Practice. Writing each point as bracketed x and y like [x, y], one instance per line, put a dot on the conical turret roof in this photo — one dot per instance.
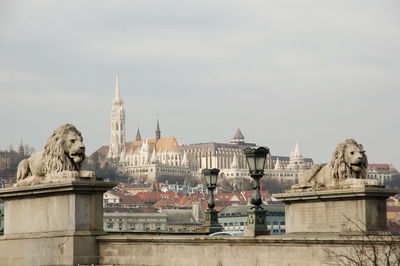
[297, 152]
[238, 135]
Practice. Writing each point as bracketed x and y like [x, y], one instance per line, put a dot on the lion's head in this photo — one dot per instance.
[64, 150]
[349, 161]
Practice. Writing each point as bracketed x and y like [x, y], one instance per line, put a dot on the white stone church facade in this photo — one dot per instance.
[145, 160]
[162, 159]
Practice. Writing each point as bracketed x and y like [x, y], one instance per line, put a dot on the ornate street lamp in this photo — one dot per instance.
[211, 224]
[256, 216]
[256, 158]
[211, 178]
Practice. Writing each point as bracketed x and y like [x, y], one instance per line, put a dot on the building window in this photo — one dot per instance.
[110, 225]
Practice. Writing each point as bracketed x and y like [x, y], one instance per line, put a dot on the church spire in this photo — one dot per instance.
[158, 132]
[138, 137]
[117, 97]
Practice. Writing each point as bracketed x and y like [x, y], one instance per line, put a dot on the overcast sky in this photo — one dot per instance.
[314, 71]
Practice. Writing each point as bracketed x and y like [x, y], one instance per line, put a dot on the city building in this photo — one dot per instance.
[110, 198]
[134, 220]
[230, 159]
[382, 172]
[184, 220]
[150, 219]
[234, 218]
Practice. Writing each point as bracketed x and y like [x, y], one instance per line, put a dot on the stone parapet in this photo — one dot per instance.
[53, 224]
[336, 210]
[197, 250]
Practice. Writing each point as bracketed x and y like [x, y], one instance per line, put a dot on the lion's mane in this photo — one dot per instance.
[55, 158]
[339, 168]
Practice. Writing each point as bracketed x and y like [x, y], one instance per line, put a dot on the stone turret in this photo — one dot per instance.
[296, 159]
[277, 164]
[235, 162]
[185, 161]
[153, 159]
[144, 153]
[238, 138]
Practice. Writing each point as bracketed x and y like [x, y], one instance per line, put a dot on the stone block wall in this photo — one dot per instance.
[163, 250]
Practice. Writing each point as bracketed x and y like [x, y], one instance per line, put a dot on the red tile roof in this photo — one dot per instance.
[155, 196]
[383, 168]
[166, 203]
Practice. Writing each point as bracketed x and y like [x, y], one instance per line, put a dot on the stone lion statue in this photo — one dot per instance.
[62, 157]
[348, 166]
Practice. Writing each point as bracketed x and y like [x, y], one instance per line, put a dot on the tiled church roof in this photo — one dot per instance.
[163, 144]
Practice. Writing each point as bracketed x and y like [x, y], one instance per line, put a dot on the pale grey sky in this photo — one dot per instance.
[314, 71]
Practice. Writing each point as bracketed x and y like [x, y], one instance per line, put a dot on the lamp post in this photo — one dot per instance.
[211, 224]
[256, 216]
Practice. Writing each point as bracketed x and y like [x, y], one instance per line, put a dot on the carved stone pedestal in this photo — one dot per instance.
[336, 210]
[53, 224]
[210, 224]
[256, 223]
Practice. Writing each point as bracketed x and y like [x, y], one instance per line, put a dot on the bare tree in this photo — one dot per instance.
[364, 249]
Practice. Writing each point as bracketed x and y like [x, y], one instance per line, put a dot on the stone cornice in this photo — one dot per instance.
[332, 194]
[77, 186]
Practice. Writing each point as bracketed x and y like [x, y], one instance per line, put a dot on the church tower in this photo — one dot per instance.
[117, 124]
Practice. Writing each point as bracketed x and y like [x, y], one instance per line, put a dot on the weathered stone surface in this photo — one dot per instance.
[140, 250]
[256, 223]
[210, 224]
[347, 168]
[335, 210]
[60, 160]
[52, 224]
